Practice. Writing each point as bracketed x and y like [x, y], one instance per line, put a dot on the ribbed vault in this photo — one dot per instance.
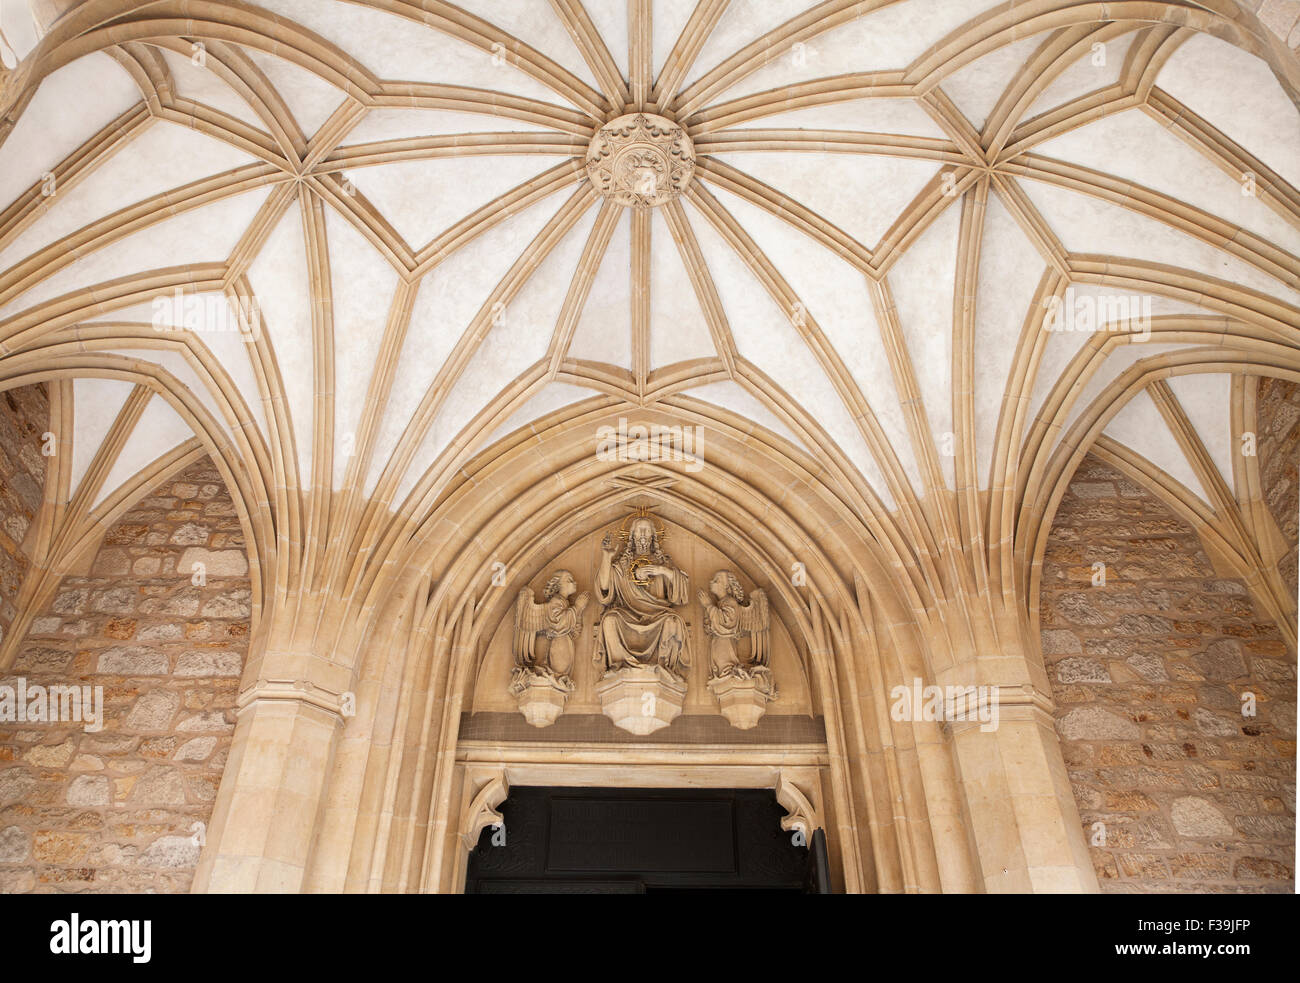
[887, 199]
[932, 253]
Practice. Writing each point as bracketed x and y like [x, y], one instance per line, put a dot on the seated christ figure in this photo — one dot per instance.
[639, 588]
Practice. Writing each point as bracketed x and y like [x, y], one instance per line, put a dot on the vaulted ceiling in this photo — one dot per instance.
[889, 200]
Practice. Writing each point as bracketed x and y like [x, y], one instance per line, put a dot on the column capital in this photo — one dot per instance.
[297, 690]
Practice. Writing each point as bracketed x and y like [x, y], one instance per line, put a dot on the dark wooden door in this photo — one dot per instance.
[634, 841]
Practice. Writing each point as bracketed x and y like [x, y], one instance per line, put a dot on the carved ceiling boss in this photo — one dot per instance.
[640, 159]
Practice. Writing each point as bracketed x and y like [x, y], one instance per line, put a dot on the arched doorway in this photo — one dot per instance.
[438, 740]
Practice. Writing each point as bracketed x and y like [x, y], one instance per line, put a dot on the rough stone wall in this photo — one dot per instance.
[1177, 788]
[120, 810]
[1278, 447]
[24, 417]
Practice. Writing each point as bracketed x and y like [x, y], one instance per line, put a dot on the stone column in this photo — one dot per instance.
[270, 800]
[1024, 818]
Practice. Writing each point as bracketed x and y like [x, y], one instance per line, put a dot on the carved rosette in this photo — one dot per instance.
[641, 159]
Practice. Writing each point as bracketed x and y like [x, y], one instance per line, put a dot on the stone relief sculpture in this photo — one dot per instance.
[639, 589]
[540, 681]
[640, 159]
[743, 686]
[642, 644]
[727, 619]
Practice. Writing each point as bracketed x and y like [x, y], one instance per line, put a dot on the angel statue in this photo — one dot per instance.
[557, 619]
[726, 619]
[639, 587]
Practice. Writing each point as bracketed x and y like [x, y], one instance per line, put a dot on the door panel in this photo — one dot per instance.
[567, 840]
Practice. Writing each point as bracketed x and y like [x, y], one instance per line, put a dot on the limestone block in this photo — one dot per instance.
[233, 604]
[216, 563]
[153, 711]
[160, 786]
[50, 755]
[190, 534]
[1213, 725]
[1096, 724]
[195, 749]
[1149, 667]
[15, 844]
[171, 851]
[89, 790]
[1222, 660]
[1080, 669]
[203, 663]
[133, 661]
[42, 659]
[1193, 816]
[116, 600]
[1057, 641]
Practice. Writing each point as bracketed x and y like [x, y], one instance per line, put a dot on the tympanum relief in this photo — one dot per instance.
[544, 645]
[638, 641]
[743, 685]
[642, 643]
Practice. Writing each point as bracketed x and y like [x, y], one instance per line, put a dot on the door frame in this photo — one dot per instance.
[485, 771]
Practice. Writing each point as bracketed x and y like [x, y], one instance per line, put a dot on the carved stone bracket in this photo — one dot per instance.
[796, 795]
[743, 696]
[489, 788]
[641, 699]
[540, 695]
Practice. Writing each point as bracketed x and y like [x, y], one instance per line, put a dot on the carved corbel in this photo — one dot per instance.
[801, 814]
[489, 790]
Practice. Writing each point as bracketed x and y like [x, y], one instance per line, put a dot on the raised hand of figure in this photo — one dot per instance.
[607, 544]
[705, 600]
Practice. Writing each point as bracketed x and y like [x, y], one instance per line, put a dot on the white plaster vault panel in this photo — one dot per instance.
[98, 91]
[159, 429]
[1240, 95]
[976, 87]
[863, 194]
[1100, 67]
[1140, 427]
[96, 403]
[604, 332]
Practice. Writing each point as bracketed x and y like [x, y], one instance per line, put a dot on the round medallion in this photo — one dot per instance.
[641, 160]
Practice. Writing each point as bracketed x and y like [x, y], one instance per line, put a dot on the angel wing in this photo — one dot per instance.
[530, 618]
[755, 620]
